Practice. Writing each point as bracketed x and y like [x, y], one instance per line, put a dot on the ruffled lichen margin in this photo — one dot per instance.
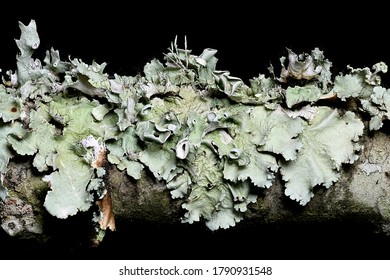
[211, 139]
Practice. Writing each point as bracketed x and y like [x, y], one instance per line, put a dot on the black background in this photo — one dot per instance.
[248, 37]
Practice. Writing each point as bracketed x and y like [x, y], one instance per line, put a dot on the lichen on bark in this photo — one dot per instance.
[187, 141]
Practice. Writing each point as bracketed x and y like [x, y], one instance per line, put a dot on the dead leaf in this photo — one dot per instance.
[107, 220]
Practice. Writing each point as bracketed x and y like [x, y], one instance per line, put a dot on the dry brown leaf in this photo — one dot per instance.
[107, 220]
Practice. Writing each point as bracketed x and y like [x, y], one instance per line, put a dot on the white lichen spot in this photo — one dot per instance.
[98, 153]
[369, 168]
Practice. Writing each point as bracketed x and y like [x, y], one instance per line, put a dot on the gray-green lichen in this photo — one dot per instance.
[209, 137]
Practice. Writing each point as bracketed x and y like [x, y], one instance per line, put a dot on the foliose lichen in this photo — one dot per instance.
[211, 138]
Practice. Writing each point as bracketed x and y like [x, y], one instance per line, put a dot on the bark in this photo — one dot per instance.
[362, 193]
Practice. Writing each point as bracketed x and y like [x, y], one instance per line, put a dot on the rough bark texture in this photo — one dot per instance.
[362, 193]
